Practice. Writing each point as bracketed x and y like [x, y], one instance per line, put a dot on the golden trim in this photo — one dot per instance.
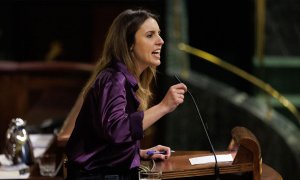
[260, 29]
[243, 74]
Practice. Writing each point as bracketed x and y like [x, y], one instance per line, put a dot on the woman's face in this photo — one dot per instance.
[147, 46]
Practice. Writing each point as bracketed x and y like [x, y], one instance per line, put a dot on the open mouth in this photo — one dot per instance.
[156, 53]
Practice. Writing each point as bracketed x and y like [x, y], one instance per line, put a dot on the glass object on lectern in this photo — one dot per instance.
[147, 171]
[18, 147]
[150, 175]
[47, 165]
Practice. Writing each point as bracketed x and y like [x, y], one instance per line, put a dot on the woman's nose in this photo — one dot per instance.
[160, 41]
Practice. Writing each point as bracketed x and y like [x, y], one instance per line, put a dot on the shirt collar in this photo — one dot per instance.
[129, 76]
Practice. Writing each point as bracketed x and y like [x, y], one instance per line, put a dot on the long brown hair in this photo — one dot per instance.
[120, 38]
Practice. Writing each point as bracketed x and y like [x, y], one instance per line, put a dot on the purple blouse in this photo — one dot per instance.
[108, 128]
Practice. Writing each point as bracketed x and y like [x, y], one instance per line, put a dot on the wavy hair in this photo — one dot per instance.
[119, 39]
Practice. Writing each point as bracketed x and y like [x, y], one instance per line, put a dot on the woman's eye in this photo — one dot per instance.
[149, 35]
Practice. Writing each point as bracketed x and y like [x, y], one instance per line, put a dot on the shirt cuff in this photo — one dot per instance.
[136, 124]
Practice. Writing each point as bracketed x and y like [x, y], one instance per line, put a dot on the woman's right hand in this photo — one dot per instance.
[174, 97]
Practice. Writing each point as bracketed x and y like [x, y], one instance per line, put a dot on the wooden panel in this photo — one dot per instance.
[37, 90]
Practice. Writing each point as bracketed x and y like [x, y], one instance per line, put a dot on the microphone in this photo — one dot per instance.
[217, 170]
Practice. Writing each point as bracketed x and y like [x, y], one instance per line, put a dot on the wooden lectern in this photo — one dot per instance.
[244, 148]
[247, 163]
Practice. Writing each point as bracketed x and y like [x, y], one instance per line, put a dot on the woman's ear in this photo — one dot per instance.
[131, 48]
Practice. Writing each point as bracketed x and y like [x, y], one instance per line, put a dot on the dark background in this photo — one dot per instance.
[28, 28]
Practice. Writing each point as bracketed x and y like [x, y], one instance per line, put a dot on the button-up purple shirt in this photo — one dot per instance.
[108, 128]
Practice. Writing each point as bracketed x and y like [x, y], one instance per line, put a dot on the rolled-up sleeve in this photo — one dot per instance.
[118, 125]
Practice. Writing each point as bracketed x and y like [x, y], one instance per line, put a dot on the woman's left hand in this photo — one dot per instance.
[158, 152]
